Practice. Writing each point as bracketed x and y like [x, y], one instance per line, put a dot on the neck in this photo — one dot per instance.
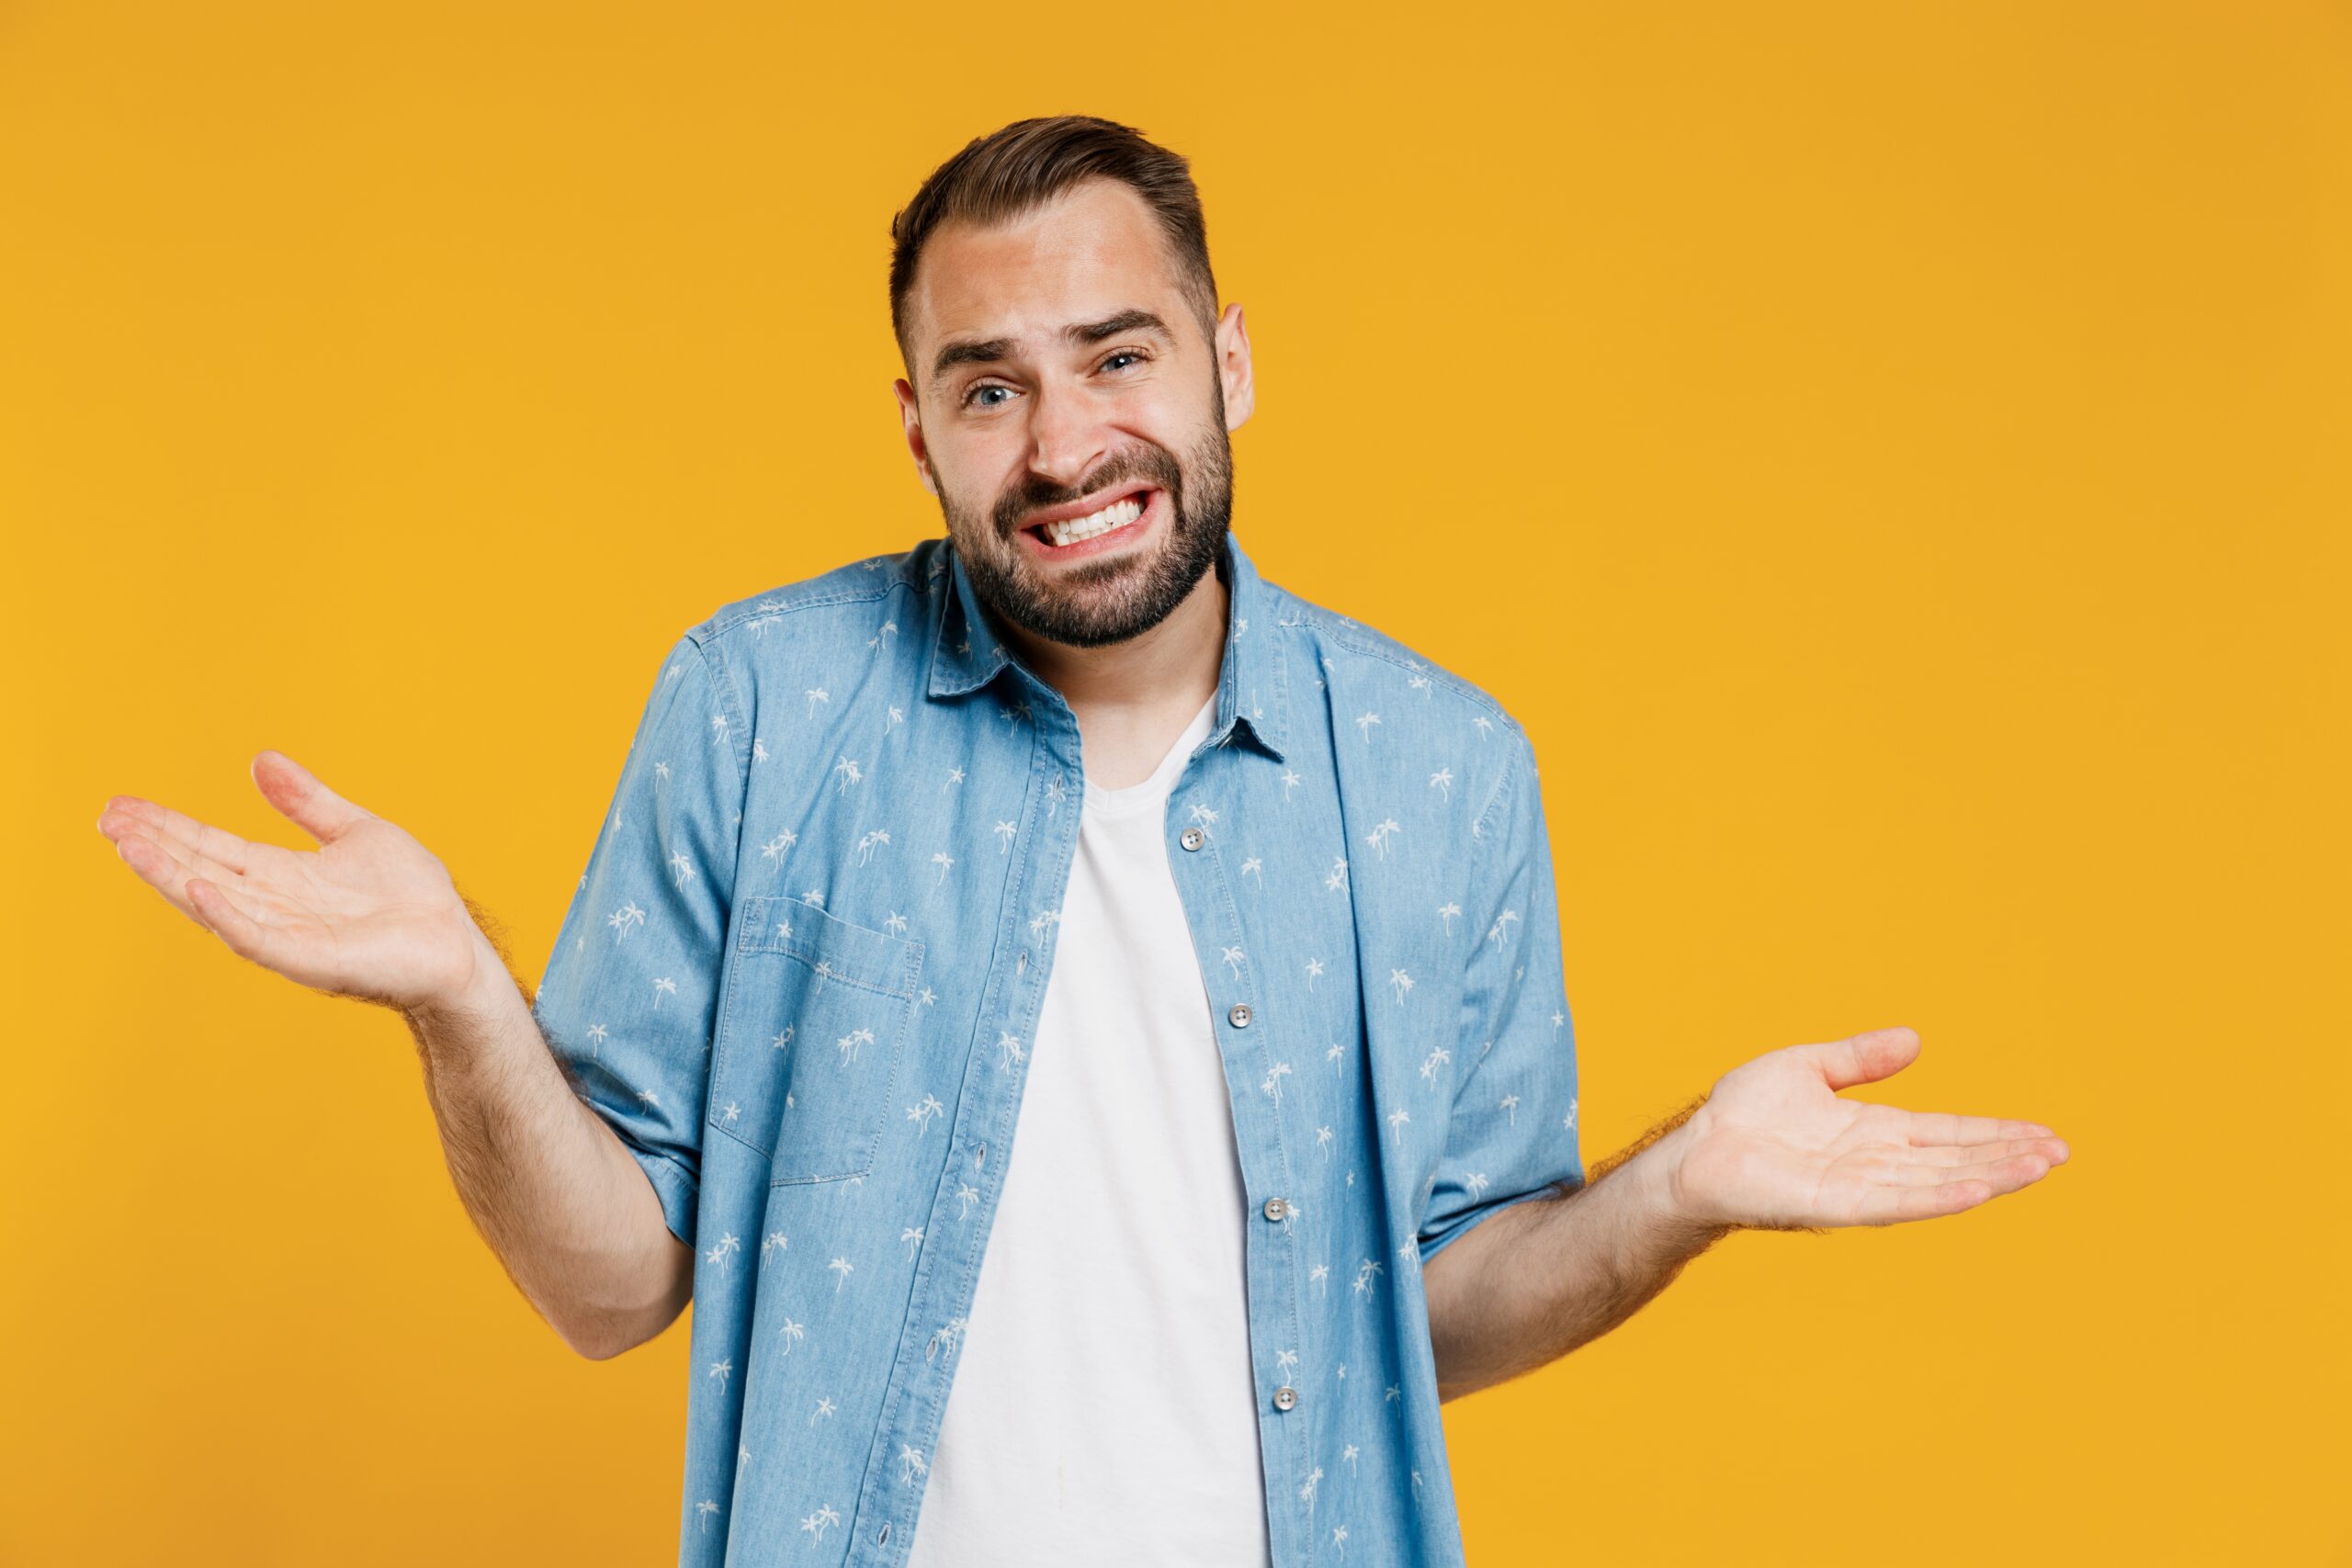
[1175, 664]
[1132, 699]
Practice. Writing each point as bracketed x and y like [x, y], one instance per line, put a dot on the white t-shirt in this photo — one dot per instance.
[1103, 1410]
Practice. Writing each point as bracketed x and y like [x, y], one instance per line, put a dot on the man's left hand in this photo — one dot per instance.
[1773, 1148]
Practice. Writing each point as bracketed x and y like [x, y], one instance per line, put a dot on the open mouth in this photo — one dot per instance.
[1106, 527]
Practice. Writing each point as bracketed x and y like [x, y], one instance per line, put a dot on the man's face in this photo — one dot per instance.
[1063, 372]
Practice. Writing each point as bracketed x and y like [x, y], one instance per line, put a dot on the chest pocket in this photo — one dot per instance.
[817, 1013]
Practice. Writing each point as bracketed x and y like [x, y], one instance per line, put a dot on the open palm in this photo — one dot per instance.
[371, 913]
[1774, 1147]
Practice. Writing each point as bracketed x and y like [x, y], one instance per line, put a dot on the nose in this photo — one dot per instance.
[1067, 440]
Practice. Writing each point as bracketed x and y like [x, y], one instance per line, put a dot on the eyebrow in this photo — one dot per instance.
[990, 351]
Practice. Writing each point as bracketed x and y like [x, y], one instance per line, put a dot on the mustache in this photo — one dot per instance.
[1156, 467]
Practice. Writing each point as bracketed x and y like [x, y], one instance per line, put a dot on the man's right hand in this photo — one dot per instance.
[371, 914]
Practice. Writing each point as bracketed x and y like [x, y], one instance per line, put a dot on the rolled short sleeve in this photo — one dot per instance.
[629, 995]
[1513, 1136]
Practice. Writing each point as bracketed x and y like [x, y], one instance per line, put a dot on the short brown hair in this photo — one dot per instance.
[1007, 173]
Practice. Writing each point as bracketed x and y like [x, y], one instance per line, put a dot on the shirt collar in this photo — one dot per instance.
[967, 655]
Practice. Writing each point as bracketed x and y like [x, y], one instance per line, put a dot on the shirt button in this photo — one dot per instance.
[1239, 1015]
[1284, 1397]
[1276, 1209]
[1194, 839]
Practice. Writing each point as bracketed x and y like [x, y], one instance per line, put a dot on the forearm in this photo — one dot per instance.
[1531, 1283]
[559, 1199]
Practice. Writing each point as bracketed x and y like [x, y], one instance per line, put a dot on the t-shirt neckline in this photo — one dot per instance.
[1162, 778]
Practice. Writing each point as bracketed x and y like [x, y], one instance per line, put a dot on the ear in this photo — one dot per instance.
[1233, 367]
[912, 417]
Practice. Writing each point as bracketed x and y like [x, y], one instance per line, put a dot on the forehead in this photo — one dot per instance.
[1094, 250]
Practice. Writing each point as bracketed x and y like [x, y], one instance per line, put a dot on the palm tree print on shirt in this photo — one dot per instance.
[773, 850]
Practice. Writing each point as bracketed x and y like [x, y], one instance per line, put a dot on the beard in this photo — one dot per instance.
[1116, 597]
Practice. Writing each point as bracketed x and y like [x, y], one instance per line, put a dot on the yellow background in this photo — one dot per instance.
[1894, 457]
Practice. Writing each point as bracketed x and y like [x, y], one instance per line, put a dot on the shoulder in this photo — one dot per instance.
[1360, 658]
[853, 592]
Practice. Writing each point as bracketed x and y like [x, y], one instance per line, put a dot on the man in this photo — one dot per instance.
[1083, 1024]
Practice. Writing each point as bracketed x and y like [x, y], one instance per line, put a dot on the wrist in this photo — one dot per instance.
[1671, 1204]
[470, 1001]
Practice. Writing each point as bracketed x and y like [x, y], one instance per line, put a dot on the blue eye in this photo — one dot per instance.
[971, 399]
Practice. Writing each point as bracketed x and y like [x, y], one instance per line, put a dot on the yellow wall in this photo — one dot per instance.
[1894, 457]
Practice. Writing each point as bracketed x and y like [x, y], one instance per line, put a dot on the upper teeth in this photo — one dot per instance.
[1117, 514]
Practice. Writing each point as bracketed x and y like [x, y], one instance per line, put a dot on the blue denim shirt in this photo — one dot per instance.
[801, 973]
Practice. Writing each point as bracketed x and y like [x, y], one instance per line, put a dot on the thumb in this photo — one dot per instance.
[1863, 1058]
[297, 792]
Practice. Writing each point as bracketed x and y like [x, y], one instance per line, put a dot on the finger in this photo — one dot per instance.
[168, 870]
[158, 870]
[1895, 1206]
[246, 936]
[295, 791]
[1893, 1202]
[187, 851]
[167, 826]
[2006, 1173]
[1924, 1129]
[2053, 1149]
[1862, 1058]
